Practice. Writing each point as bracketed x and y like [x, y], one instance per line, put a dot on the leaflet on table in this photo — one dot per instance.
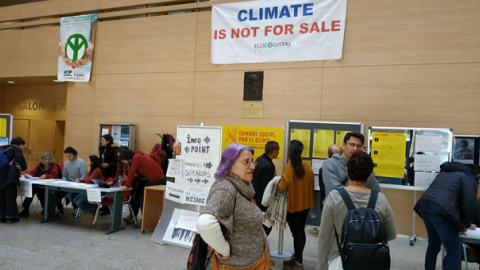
[94, 195]
[25, 189]
[475, 232]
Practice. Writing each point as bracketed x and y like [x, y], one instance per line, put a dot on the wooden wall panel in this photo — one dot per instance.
[409, 93]
[409, 32]
[203, 55]
[77, 130]
[159, 94]
[9, 52]
[35, 102]
[10, 13]
[152, 44]
[39, 51]
[81, 97]
[54, 7]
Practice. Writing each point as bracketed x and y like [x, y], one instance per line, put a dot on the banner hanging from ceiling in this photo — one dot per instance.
[76, 48]
[278, 31]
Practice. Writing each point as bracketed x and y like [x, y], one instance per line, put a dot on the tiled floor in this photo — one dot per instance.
[72, 244]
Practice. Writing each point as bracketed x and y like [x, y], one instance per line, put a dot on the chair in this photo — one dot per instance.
[108, 201]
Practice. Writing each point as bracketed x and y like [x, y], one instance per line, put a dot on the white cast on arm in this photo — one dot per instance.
[209, 228]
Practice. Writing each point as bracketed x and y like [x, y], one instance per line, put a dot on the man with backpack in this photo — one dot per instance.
[12, 162]
[369, 228]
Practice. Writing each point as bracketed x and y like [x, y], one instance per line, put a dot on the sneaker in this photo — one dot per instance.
[290, 262]
[13, 220]
[298, 266]
[129, 221]
[24, 213]
[127, 218]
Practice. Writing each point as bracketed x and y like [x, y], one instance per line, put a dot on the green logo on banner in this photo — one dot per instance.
[76, 47]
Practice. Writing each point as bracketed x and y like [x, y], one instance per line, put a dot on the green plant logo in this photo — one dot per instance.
[76, 47]
[270, 45]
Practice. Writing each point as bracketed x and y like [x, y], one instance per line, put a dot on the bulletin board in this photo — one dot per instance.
[409, 156]
[6, 128]
[123, 134]
[316, 138]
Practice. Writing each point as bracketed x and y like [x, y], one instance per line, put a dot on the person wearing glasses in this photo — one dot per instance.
[230, 223]
[46, 169]
[333, 169]
[297, 178]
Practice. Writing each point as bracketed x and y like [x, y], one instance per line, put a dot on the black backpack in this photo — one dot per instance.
[199, 254]
[363, 241]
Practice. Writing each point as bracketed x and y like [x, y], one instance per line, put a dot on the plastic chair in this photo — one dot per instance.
[108, 201]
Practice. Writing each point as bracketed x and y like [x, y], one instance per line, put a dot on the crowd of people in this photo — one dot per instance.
[109, 164]
[232, 221]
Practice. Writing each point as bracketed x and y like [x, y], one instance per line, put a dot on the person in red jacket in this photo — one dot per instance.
[94, 172]
[144, 165]
[46, 169]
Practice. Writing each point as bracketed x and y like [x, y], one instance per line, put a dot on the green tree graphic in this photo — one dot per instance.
[76, 42]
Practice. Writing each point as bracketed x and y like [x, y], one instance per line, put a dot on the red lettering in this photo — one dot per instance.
[335, 26]
[277, 30]
[324, 29]
[314, 28]
[268, 29]
[236, 33]
[289, 29]
[303, 28]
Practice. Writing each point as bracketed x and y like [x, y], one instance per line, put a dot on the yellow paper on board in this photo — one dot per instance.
[339, 135]
[302, 135]
[3, 127]
[388, 153]
[322, 139]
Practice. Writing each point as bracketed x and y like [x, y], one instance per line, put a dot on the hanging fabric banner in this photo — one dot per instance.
[278, 31]
[76, 48]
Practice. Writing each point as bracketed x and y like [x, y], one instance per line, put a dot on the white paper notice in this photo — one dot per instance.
[175, 168]
[174, 192]
[25, 189]
[430, 163]
[428, 144]
[94, 195]
[195, 195]
[315, 182]
[424, 179]
[316, 165]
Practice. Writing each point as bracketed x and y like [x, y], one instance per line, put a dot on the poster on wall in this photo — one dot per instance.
[76, 48]
[255, 137]
[277, 31]
[388, 153]
[200, 154]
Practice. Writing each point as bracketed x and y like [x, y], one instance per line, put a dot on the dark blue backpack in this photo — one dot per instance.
[4, 162]
[363, 241]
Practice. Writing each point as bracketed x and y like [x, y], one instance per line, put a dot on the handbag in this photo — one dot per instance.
[263, 263]
[198, 257]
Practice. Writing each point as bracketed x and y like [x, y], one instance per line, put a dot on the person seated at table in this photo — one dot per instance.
[46, 169]
[144, 165]
[94, 172]
[74, 168]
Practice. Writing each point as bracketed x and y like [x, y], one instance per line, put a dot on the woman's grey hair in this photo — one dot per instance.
[49, 156]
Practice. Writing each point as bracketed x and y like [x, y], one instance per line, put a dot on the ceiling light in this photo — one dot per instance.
[10, 82]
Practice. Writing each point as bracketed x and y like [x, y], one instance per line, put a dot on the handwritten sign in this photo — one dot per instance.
[175, 167]
[94, 195]
[388, 153]
[201, 151]
[424, 179]
[430, 163]
[428, 144]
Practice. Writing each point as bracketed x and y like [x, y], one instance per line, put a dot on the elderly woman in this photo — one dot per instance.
[297, 178]
[359, 168]
[46, 169]
[9, 180]
[230, 223]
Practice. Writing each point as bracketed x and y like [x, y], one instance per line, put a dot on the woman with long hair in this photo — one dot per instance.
[230, 223]
[94, 172]
[297, 178]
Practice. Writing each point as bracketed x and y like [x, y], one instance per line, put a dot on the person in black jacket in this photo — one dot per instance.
[448, 207]
[10, 179]
[263, 173]
[108, 155]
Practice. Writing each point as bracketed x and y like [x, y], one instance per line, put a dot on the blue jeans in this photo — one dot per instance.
[81, 200]
[441, 231]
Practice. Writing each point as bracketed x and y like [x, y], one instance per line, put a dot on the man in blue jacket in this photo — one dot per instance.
[448, 207]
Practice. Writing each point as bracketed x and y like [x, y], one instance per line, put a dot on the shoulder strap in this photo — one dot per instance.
[373, 200]
[346, 198]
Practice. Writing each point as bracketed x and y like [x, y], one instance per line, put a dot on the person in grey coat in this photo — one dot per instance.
[333, 169]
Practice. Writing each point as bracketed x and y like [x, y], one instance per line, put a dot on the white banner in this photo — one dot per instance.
[76, 48]
[278, 31]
